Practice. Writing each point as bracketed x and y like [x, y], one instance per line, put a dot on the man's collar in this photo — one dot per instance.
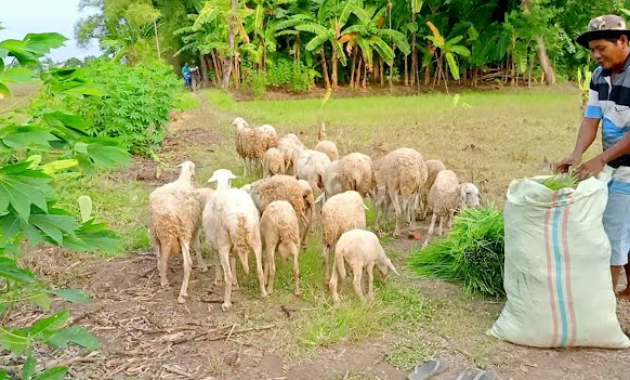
[606, 72]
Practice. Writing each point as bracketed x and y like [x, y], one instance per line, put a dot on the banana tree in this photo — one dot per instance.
[370, 37]
[416, 7]
[446, 50]
[331, 19]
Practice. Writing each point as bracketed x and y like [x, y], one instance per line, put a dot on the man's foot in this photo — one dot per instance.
[624, 295]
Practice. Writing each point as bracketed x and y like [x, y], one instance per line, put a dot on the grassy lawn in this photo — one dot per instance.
[501, 137]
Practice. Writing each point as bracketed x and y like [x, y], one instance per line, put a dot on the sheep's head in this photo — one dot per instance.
[247, 188]
[384, 264]
[469, 194]
[239, 123]
[188, 170]
[222, 177]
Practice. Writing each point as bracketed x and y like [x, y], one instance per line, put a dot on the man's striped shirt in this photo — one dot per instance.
[610, 102]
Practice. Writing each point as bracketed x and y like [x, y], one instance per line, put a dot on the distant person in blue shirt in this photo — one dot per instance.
[187, 76]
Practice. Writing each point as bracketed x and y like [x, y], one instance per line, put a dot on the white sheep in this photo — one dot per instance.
[273, 162]
[286, 188]
[175, 211]
[447, 196]
[352, 172]
[342, 212]
[400, 176]
[329, 148]
[311, 167]
[362, 250]
[280, 231]
[232, 226]
[291, 148]
[251, 144]
[433, 168]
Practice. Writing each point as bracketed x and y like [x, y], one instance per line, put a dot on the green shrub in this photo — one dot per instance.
[136, 106]
[285, 73]
[185, 100]
[259, 83]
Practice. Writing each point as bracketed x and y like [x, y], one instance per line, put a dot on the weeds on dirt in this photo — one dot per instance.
[407, 354]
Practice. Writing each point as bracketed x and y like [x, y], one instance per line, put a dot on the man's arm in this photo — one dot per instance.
[619, 149]
[586, 136]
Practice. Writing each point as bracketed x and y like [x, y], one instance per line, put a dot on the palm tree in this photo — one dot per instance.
[447, 50]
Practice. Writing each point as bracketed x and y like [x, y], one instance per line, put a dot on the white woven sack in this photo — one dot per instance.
[557, 268]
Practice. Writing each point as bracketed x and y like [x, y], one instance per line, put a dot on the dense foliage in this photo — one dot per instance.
[472, 253]
[136, 106]
[38, 150]
[355, 42]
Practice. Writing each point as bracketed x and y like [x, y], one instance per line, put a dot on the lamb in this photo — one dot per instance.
[433, 168]
[280, 231]
[400, 175]
[352, 172]
[232, 226]
[283, 187]
[328, 148]
[361, 250]
[273, 162]
[251, 144]
[175, 211]
[343, 212]
[447, 195]
[311, 167]
[291, 148]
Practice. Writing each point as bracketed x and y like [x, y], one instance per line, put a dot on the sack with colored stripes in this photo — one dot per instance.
[557, 268]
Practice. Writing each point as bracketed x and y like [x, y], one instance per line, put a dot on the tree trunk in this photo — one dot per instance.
[357, 81]
[365, 74]
[427, 70]
[335, 69]
[406, 71]
[204, 70]
[218, 68]
[381, 73]
[325, 68]
[157, 39]
[414, 52]
[545, 64]
[227, 65]
[353, 68]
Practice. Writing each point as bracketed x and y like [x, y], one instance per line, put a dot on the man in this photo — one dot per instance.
[609, 100]
[186, 75]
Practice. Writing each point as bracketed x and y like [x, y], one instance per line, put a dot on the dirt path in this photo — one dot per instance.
[146, 334]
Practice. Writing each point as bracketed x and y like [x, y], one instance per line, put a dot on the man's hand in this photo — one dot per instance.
[591, 168]
[563, 166]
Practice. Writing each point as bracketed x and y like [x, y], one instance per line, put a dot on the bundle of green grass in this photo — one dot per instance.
[561, 181]
[472, 253]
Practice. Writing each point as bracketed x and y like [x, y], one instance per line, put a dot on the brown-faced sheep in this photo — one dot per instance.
[273, 163]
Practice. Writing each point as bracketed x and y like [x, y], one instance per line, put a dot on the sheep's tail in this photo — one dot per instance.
[340, 265]
[240, 241]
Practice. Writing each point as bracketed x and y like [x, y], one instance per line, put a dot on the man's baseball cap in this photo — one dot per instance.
[604, 27]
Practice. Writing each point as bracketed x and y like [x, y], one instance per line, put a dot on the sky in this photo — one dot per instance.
[20, 17]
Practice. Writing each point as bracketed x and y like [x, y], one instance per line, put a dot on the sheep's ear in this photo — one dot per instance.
[212, 179]
[320, 198]
[392, 267]
[365, 206]
[232, 176]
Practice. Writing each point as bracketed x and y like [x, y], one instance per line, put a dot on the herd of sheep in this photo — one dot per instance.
[277, 211]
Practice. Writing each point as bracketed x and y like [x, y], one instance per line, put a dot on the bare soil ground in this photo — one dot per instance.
[146, 334]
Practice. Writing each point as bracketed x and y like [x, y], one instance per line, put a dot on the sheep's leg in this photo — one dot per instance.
[234, 276]
[270, 274]
[244, 161]
[257, 248]
[224, 254]
[162, 262]
[332, 284]
[430, 233]
[295, 250]
[370, 271]
[218, 279]
[183, 293]
[450, 219]
[399, 214]
[325, 259]
[358, 288]
[197, 246]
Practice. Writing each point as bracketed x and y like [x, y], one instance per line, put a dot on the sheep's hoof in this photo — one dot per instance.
[164, 284]
[181, 299]
[264, 294]
[203, 268]
[217, 282]
[297, 293]
[226, 305]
